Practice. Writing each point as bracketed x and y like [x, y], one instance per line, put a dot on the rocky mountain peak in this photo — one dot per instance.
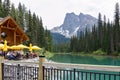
[73, 24]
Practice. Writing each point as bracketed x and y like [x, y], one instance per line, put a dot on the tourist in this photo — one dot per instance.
[27, 55]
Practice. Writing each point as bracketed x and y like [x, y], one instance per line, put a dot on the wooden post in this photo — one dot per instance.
[41, 60]
[1, 59]
[14, 42]
[0, 32]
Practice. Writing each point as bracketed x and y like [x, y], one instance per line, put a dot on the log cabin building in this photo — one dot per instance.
[11, 32]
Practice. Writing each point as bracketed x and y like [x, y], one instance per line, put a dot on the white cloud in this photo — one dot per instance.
[53, 11]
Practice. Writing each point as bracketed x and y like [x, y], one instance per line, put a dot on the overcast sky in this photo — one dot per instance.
[53, 11]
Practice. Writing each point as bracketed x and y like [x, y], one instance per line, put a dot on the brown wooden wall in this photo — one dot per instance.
[15, 35]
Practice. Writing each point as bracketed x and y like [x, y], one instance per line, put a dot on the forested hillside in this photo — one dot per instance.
[104, 37]
[29, 22]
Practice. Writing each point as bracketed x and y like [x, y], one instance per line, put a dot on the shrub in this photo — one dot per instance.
[99, 52]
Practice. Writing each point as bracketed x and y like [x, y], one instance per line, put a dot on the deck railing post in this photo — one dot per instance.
[74, 74]
[41, 60]
[18, 72]
[1, 73]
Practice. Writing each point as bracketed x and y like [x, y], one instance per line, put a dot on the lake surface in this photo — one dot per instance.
[95, 60]
[77, 59]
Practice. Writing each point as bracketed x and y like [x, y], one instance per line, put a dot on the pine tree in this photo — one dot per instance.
[104, 35]
[41, 34]
[108, 38]
[13, 12]
[117, 27]
[71, 44]
[1, 9]
[29, 29]
[94, 38]
[111, 41]
[6, 7]
[34, 29]
[20, 16]
[48, 40]
[100, 30]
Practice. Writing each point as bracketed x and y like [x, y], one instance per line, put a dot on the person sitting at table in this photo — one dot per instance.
[11, 55]
[1, 53]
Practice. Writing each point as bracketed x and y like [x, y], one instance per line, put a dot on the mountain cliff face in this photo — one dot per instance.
[73, 24]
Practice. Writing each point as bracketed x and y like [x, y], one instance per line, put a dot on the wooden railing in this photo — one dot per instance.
[83, 66]
[65, 71]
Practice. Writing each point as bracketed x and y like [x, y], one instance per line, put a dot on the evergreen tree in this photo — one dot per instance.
[100, 30]
[48, 40]
[20, 16]
[111, 41]
[13, 12]
[41, 33]
[6, 7]
[104, 35]
[94, 39]
[1, 9]
[117, 27]
[29, 29]
[26, 21]
[0, 1]
[34, 27]
[108, 38]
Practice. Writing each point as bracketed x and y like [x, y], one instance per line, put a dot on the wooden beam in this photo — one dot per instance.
[8, 22]
[15, 29]
[21, 39]
[8, 28]
[14, 37]
[0, 32]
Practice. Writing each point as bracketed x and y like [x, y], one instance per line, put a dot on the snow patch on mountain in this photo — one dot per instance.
[73, 24]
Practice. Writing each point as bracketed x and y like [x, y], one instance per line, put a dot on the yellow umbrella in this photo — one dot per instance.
[30, 47]
[5, 48]
[36, 48]
[1, 46]
[14, 47]
[21, 46]
[33, 48]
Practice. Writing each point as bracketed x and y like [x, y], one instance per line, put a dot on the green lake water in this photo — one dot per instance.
[77, 59]
[95, 60]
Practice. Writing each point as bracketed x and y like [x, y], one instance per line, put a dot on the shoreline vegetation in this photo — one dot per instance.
[92, 54]
[98, 54]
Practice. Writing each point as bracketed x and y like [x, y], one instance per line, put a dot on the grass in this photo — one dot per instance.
[49, 54]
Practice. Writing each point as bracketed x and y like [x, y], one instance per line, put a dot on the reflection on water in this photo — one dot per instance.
[68, 58]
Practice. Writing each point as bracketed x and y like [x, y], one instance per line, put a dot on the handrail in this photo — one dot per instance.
[84, 66]
[68, 65]
[20, 62]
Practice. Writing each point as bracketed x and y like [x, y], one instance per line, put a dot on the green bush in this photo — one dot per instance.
[99, 52]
